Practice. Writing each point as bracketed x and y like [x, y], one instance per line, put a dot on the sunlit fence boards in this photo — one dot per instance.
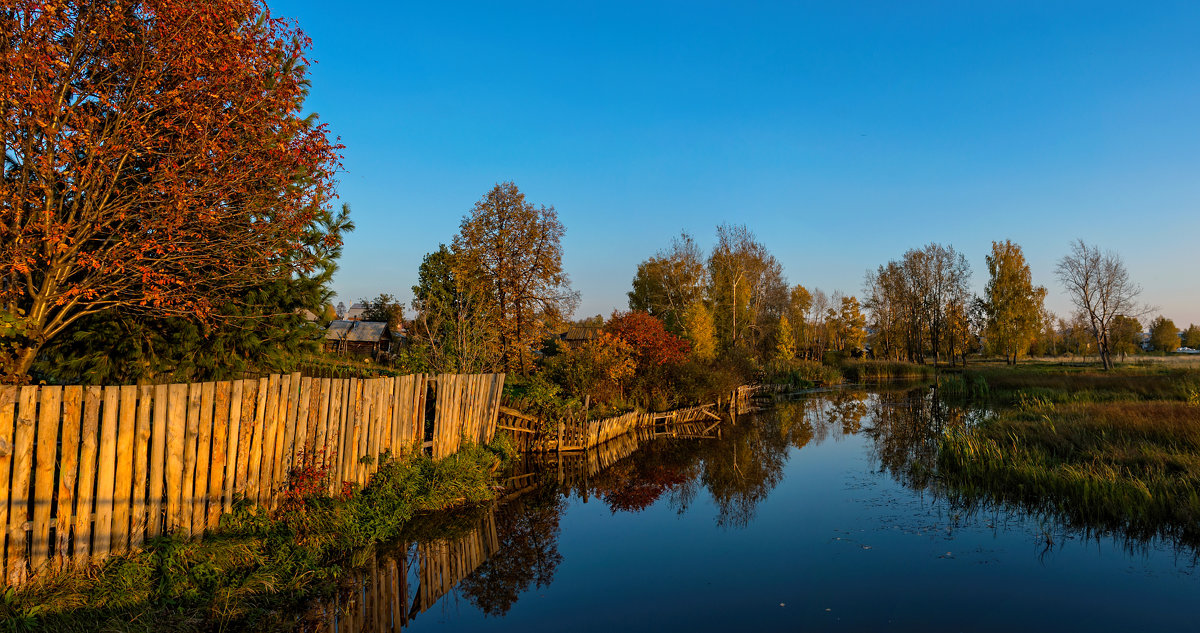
[91, 471]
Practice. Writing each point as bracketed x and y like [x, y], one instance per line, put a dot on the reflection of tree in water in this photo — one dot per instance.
[907, 428]
[635, 483]
[840, 411]
[528, 531]
[742, 469]
[739, 470]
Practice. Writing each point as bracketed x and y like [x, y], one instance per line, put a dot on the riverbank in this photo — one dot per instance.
[259, 567]
[1065, 382]
[1118, 449]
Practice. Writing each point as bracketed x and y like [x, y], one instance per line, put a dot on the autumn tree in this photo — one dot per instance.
[156, 160]
[657, 352]
[454, 328]
[700, 331]
[517, 249]
[1191, 337]
[958, 332]
[1164, 336]
[652, 344]
[1012, 303]
[847, 325]
[384, 308]
[816, 333]
[1100, 288]
[912, 300]
[266, 330]
[668, 283]
[599, 368]
[799, 302]
[785, 344]
[746, 288]
[1125, 335]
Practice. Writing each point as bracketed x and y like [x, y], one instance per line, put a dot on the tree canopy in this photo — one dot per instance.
[1100, 288]
[1164, 336]
[517, 250]
[157, 161]
[1013, 306]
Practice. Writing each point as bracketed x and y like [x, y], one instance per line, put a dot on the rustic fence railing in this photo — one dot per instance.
[90, 471]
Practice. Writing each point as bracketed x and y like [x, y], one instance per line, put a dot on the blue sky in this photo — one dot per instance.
[841, 133]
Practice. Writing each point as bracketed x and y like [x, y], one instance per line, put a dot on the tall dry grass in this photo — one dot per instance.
[1129, 466]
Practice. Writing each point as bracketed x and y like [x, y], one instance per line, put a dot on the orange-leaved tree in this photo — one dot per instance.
[653, 345]
[156, 159]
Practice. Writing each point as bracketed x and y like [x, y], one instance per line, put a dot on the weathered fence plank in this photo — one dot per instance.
[68, 473]
[8, 415]
[220, 436]
[158, 463]
[176, 442]
[89, 431]
[49, 418]
[141, 465]
[233, 443]
[123, 483]
[106, 477]
[22, 476]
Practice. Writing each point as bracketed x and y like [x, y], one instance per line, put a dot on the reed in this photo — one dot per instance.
[1064, 383]
[1132, 466]
[884, 371]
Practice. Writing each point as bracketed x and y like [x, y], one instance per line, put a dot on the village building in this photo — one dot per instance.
[355, 312]
[577, 335]
[359, 338]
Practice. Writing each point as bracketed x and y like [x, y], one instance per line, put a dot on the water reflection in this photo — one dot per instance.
[489, 558]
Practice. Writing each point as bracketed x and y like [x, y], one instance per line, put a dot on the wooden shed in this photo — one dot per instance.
[358, 338]
[577, 335]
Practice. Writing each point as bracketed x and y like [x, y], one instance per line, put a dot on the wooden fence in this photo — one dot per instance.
[577, 437]
[96, 470]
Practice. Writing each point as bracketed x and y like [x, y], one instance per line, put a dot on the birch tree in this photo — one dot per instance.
[1099, 286]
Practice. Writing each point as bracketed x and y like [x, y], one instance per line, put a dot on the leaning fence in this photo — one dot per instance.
[93, 471]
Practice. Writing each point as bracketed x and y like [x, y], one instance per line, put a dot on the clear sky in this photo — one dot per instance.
[841, 133]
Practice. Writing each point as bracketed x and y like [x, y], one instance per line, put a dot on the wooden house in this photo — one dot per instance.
[358, 338]
[577, 335]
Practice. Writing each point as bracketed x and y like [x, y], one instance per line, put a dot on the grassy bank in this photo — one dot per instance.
[1127, 466]
[1062, 383]
[864, 371]
[259, 568]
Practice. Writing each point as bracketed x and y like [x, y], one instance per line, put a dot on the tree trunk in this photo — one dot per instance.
[18, 372]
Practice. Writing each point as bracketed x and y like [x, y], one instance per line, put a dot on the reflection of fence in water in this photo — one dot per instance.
[379, 599]
[385, 597]
[446, 563]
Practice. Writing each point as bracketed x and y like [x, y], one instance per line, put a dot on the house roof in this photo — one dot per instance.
[368, 331]
[581, 333]
[355, 312]
[357, 331]
[338, 330]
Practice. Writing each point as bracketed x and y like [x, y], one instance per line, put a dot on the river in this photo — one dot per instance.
[819, 514]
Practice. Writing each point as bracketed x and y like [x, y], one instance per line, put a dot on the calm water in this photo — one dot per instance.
[816, 515]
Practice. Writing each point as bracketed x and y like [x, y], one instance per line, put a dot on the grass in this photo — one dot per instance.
[804, 374]
[1114, 459]
[258, 570]
[1062, 383]
[884, 371]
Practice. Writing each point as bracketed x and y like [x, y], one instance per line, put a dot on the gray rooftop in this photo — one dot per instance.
[368, 331]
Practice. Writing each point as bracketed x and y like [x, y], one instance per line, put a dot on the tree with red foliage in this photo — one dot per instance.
[156, 159]
[652, 344]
